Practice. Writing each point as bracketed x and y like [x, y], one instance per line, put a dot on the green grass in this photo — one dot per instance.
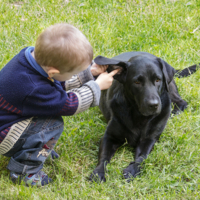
[166, 28]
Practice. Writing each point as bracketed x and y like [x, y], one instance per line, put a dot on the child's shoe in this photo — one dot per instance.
[38, 179]
[54, 155]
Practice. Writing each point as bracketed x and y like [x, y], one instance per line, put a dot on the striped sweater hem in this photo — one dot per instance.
[13, 135]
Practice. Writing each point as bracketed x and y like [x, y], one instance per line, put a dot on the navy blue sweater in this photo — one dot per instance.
[25, 93]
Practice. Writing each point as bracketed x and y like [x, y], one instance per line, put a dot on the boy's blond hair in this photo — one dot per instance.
[64, 47]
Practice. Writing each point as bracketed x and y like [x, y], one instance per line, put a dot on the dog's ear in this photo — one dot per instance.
[112, 65]
[168, 72]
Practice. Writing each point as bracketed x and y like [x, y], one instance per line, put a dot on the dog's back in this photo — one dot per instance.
[127, 55]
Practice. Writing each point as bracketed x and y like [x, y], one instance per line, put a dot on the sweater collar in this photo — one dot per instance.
[33, 62]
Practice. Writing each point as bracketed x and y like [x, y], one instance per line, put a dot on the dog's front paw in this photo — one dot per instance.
[131, 171]
[97, 176]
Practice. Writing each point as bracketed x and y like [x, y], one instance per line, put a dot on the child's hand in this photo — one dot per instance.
[105, 79]
[98, 69]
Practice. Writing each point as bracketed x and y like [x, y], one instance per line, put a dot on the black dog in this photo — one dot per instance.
[136, 107]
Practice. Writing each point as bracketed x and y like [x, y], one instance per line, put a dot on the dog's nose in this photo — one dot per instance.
[153, 104]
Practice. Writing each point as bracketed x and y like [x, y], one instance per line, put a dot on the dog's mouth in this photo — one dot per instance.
[149, 113]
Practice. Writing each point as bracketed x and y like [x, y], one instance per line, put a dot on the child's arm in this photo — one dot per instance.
[46, 100]
[89, 94]
[79, 79]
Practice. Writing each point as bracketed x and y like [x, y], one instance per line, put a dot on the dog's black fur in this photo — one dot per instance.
[136, 106]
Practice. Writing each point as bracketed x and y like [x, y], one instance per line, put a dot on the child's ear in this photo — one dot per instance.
[51, 71]
[112, 65]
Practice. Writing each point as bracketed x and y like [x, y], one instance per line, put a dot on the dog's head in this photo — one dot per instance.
[144, 79]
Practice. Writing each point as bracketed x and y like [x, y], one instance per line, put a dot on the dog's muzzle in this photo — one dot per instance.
[150, 106]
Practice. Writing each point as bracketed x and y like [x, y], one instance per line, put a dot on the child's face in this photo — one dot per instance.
[67, 75]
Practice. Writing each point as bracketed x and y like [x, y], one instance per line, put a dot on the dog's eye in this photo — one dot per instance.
[137, 82]
[157, 80]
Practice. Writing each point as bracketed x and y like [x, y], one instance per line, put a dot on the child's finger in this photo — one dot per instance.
[114, 72]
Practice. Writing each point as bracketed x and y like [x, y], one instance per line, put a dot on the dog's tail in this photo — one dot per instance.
[187, 71]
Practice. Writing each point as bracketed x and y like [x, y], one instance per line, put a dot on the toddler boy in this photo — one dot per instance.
[34, 94]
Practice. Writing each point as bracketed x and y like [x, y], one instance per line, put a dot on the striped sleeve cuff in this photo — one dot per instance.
[94, 87]
[88, 96]
[79, 79]
[74, 82]
[86, 75]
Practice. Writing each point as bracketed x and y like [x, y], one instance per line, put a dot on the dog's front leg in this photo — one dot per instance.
[106, 151]
[142, 151]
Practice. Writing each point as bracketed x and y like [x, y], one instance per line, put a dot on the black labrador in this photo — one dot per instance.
[136, 107]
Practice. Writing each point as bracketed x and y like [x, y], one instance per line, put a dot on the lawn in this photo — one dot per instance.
[169, 29]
